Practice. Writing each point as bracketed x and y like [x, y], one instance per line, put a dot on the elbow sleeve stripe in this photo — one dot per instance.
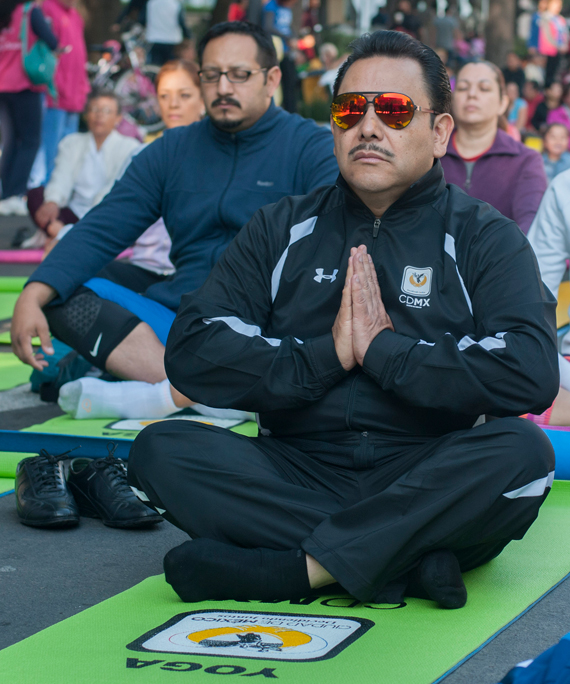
[246, 329]
[487, 343]
[449, 247]
[297, 232]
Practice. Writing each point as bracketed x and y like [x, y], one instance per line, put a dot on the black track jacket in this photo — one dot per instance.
[474, 325]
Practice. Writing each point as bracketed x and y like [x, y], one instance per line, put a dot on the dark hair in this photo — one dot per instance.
[191, 68]
[551, 126]
[6, 11]
[266, 55]
[398, 45]
[534, 84]
[103, 92]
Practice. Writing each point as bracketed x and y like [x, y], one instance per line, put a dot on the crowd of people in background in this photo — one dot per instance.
[511, 137]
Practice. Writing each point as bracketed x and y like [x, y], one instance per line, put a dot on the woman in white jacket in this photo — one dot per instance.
[181, 104]
[86, 167]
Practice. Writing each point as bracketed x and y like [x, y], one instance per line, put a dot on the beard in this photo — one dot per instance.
[221, 122]
[225, 124]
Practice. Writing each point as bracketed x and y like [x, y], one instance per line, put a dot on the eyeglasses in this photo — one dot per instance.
[394, 109]
[233, 75]
[101, 110]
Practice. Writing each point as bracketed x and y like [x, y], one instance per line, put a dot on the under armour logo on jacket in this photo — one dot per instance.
[321, 276]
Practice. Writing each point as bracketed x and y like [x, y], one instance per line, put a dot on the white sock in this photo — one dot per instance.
[228, 414]
[564, 367]
[92, 398]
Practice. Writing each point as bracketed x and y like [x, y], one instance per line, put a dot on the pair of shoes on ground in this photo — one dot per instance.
[13, 206]
[95, 488]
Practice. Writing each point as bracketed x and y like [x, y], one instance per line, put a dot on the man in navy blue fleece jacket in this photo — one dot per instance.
[206, 181]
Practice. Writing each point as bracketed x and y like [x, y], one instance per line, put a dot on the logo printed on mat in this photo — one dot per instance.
[267, 636]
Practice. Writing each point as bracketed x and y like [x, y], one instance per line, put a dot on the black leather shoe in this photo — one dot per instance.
[100, 488]
[42, 497]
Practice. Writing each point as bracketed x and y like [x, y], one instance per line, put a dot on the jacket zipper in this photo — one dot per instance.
[351, 401]
[376, 228]
[229, 182]
[468, 173]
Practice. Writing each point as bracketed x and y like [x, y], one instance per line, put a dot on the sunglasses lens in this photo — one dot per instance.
[347, 109]
[394, 109]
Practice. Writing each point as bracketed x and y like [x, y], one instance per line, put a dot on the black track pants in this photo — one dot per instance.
[366, 511]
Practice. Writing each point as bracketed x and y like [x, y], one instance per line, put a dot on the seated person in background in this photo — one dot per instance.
[561, 114]
[206, 180]
[516, 111]
[555, 156]
[86, 167]
[481, 158]
[370, 323]
[513, 71]
[181, 104]
[534, 69]
[552, 100]
[533, 96]
[549, 236]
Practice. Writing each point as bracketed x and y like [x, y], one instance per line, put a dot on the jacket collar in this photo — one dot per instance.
[503, 144]
[423, 191]
[262, 126]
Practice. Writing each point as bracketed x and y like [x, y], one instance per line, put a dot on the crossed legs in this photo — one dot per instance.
[470, 492]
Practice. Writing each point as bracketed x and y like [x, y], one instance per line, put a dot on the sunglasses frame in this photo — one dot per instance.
[415, 107]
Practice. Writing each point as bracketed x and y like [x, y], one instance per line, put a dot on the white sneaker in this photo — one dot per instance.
[37, 241]
[13, 206]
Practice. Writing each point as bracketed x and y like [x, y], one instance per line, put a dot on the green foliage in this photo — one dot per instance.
[341, 39]
[319, 111]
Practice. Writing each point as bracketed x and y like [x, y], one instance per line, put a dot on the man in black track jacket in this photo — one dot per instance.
[369, 324]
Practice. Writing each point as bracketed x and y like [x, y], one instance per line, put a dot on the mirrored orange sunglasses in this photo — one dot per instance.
[394, 109]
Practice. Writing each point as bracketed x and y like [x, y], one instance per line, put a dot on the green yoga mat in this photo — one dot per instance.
[7, 303]
[6, 484]
[12, 283]
[12, 371]
[64, 425]
[145, 634]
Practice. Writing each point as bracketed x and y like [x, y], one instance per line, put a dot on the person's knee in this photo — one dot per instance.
[526, 448]
[92, 326]
[146, 452]
[161, 446]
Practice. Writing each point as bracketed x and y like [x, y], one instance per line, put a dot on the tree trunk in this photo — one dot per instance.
[99, 16]
[500, 30]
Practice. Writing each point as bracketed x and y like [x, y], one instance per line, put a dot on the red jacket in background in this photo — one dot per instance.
[509, 176]
[71, 75]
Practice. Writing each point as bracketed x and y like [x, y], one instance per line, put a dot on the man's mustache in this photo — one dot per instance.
[225, 100]
[371, 147]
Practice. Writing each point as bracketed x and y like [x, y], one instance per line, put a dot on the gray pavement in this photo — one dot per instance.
[9, 226]
[49, 575]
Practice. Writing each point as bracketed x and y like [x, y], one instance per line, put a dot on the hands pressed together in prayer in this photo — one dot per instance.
[362, 314]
